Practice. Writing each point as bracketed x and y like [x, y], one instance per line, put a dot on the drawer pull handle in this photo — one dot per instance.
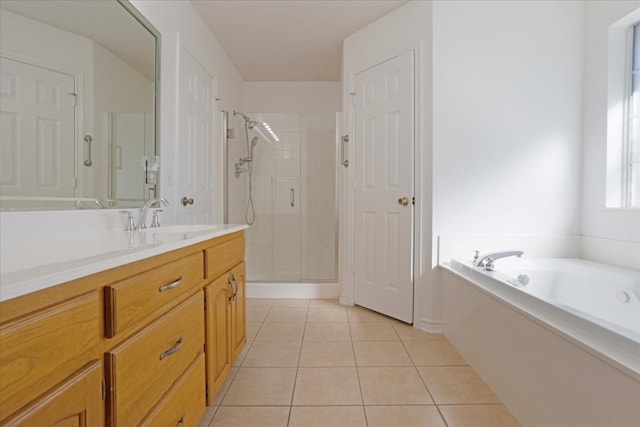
[171, 285]
[174, 349]
[181, 420]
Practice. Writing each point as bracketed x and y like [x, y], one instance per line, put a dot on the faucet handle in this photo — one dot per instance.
[155, 222]
[476, 255]
[131, 223]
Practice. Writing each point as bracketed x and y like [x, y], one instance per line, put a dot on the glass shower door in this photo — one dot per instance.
[293, 237]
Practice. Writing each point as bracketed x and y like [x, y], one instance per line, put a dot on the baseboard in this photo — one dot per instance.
[293, 290]
[430, 326]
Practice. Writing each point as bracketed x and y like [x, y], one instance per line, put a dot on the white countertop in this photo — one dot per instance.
[33, 265]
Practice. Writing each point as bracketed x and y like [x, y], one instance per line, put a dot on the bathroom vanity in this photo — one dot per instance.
[146, 339]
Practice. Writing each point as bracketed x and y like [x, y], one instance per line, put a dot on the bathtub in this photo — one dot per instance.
[557, 339]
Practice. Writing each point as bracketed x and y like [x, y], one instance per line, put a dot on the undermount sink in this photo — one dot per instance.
[183, 228]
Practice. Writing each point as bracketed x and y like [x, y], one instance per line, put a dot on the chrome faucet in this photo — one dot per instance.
[486, 260]
[142, 214]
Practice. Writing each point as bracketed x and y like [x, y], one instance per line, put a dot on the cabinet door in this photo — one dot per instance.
[238, 325]
[218, 353]
[77, 402]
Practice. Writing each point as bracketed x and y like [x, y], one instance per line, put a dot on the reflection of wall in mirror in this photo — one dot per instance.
[128, 181]
[89, 62]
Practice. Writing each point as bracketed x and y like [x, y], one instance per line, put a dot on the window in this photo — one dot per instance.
[631, 152]
[623, 118]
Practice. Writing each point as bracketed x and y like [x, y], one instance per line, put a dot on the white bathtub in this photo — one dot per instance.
[562, 349]
[608, 297]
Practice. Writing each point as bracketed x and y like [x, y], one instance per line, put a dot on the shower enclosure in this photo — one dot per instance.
[281, 179]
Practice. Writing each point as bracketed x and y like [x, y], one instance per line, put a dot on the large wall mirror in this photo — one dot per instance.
[79, 105]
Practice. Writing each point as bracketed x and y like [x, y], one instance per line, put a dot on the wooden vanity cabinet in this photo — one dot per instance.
[138, 344]
[225, 310]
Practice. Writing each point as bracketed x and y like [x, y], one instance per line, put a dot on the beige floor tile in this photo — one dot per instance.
[327, 353]
[405, 416]
[366, 331]
[359, 314]
[251, 416]
[208, 416]
[274, 354]
[327, 332]
[260, 302]
[392, 386]
[327, 386]
[381, 353]
[325, 303]
[291, 303]
[456, 384]
[323, 416]
[433, 353]
[261, 386]
[287, 314]
[252, 330]
[281, 331]
[257, 314]
[327, 314]
[225, 386]
[478, 416]
[409, 333]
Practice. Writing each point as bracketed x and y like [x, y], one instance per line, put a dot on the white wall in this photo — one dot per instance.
[293, 97]
[596, 220]
[179, 23]
[405, 29]
[507, 117]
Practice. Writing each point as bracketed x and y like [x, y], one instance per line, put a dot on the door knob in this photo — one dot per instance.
[404, 201]
[187, 201]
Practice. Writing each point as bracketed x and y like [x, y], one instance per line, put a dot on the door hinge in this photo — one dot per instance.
[413, 200]
[104, 389]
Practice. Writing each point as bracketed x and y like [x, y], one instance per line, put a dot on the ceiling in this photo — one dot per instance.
[288, 40]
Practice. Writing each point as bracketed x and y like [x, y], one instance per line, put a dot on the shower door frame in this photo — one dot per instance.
[336, 185]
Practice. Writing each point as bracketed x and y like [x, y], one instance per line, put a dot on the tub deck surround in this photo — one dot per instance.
[550, 363]
[615, 340]
[32, 265]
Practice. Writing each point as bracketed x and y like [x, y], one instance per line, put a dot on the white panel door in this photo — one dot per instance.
[37, 131]
[196, 158]
[383, 180]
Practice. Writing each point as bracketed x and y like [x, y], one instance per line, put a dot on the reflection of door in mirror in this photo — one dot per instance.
[108, 50]
[38, 118]
[131, 179]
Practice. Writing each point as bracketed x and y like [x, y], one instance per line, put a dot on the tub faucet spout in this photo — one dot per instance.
[486, 261]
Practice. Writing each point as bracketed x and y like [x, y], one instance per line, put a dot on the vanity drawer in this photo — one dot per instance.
[42, 349]
[222, 257]
[140, 370]
[184, 404]
[130, 300]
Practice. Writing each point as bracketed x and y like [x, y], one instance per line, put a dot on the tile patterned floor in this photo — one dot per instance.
[317, 363]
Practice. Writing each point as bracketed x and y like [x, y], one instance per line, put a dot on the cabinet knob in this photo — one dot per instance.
[187, 201]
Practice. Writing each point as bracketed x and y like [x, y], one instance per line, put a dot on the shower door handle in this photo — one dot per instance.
[292, 197]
